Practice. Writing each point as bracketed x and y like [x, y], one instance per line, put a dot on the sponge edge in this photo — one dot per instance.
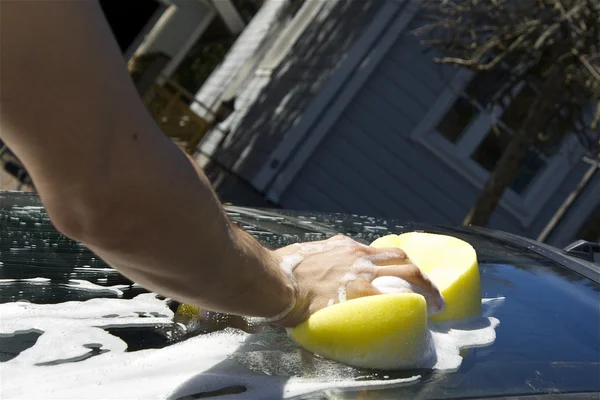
[451, 264]
[387, 331]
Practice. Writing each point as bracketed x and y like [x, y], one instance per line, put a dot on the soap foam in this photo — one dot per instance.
[393, 284]
[199, 364]
[290, 262]
[92, 287]
[330, 244]
[268, 365]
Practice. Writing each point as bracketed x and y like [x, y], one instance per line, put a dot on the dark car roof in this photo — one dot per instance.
[548, 340]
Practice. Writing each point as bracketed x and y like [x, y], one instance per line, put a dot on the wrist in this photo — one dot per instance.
[290, 300]
[285, 297]
[275, 291]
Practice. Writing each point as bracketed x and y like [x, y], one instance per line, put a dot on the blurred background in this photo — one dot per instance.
[464, 112]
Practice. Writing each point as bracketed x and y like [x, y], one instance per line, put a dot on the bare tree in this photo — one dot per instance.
[552, 45]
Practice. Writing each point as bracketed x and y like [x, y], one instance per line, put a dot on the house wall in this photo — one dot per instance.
[177, 30]
[368, 161]
[261, 31]
[580, 210]
[274, 98]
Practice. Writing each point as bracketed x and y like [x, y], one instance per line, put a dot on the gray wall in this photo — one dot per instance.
[580, 210]
[368, 163]
[270, 106]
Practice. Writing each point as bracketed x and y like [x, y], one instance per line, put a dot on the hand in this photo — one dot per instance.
[340, 268]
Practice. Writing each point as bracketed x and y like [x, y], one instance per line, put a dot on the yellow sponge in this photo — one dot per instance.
[386, 331]
[188, 311]
[451, 263]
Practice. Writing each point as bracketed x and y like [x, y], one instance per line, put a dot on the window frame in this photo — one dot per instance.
[525, 207]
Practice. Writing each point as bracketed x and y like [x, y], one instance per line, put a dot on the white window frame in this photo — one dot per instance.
[525, 207]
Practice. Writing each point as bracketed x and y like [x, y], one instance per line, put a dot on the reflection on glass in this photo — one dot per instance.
[516, 112]
[488, 153]
[456, 120]
[486, 84]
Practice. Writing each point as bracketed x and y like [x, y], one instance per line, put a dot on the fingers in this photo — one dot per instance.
[388, 256]
[421, 284]
[360, 287]
[339, 236]
[410, 273]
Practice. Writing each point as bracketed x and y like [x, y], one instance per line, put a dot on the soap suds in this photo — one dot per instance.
[87, 268]
[268, 365]
[290, 262]
[75, 284]
[89, 286]
[200, 364]
[393, 284]
[36, 280]
[342, 294]
[449, 339]
[320, 247]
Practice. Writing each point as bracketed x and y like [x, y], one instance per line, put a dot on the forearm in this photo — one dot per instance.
[176, 239]
[106, 174]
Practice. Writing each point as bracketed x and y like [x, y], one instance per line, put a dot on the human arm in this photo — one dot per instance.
[110, 179]
[106, 174]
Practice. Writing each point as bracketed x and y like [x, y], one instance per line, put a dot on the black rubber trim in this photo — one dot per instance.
[546, 396]
[583, 249]
[581, 267]
[322, 395]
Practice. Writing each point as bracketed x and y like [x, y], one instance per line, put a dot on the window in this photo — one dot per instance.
[457, 125]
[457, 119]
[471, 138]
[470, 103]
[489, 151]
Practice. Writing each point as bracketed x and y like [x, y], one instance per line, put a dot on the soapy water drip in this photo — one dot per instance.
[267, 365]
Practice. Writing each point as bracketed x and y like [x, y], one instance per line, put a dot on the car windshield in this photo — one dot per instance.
[548, 339]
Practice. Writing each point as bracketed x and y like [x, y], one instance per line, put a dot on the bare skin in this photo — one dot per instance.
[109, 178]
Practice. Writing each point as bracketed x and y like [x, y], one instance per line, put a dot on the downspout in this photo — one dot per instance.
[566, 205]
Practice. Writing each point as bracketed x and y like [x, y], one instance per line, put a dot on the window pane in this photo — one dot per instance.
[490, 150]
[456, 120]
[486, 84]
[516, 112]
[529, 170]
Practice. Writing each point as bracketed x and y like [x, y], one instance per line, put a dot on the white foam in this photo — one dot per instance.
[199, 364]
[268, 365]
[36, 280]
[30, 208]
[319, 247]
[89, 286]
[449, 340]
[342, 294]
[290, 262]
[87, 268]
[393, 284]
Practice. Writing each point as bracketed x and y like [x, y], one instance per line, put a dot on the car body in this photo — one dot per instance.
[547, 344]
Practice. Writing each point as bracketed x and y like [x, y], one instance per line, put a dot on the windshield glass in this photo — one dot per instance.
[548, 339]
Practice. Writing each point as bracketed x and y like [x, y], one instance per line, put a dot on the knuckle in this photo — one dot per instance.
[339, 236]
[412, 271]
[360, 248]
[355, 248]
[398, 253]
